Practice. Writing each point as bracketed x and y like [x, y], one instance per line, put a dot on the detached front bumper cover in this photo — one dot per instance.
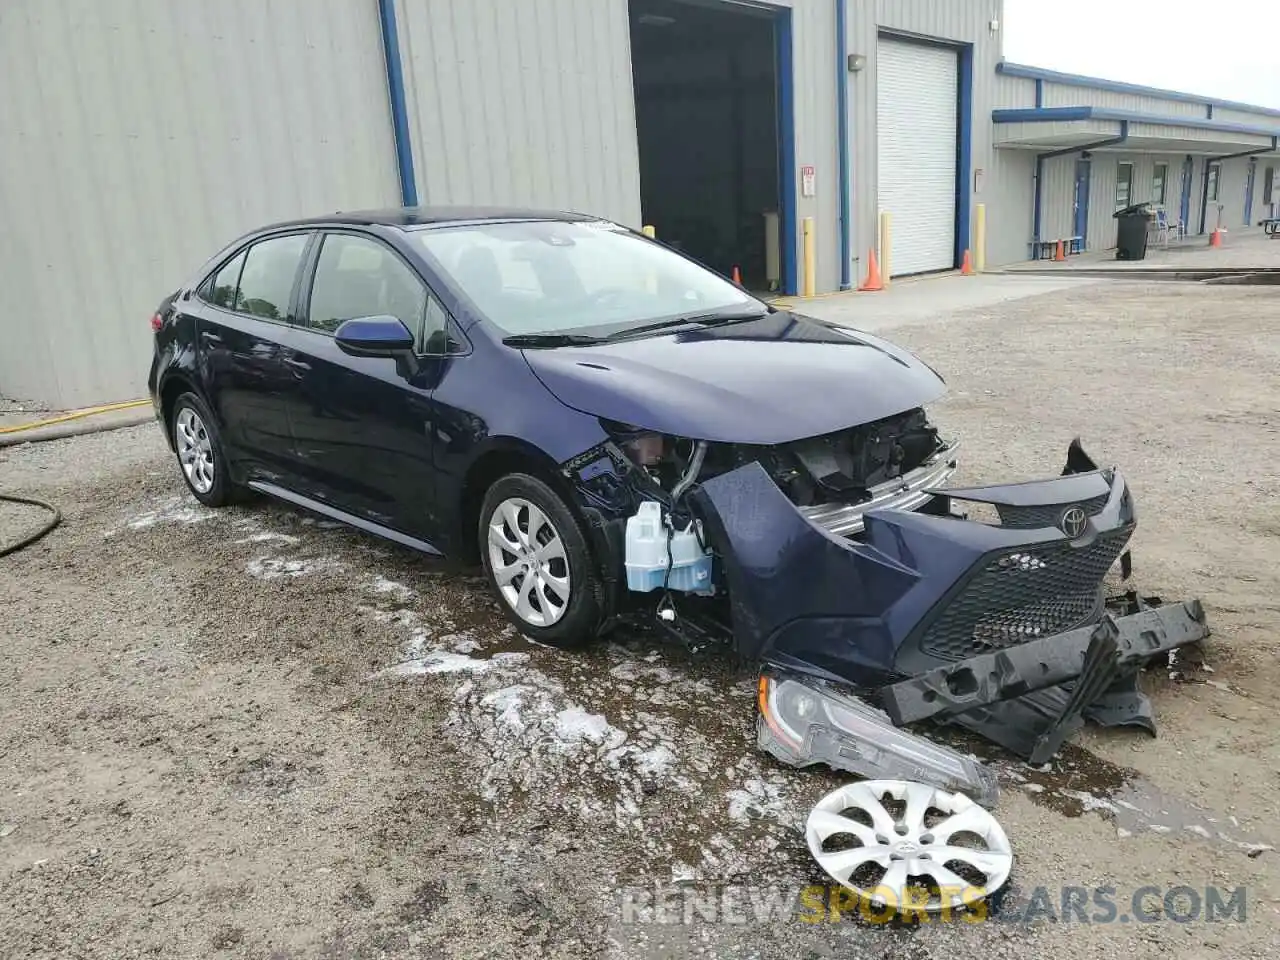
[999, 627]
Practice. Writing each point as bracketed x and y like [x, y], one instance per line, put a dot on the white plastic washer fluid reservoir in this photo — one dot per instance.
[647, 554]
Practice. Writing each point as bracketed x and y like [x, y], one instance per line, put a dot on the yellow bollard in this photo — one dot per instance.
[886, 246]
[980, 237]
[649, 232]
[809, 288]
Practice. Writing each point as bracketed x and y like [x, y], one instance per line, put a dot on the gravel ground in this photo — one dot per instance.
[249, 733]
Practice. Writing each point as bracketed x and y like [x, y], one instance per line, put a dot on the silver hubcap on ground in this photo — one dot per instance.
[195, 449]
[881, 837]
[528, 562]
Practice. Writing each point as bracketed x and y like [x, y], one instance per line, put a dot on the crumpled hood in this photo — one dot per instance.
[780, 378]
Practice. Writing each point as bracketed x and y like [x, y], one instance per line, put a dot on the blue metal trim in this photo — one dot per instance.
[842, 145]
[1249, 185]
[964, 149]
[1097, 83]
[787, 141]
[399, 112]
[1036, 201]
[1039, 92]
[1188, 176]
[1061, 114]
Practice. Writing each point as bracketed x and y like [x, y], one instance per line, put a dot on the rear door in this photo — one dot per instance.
[245, 309]
[361, 424]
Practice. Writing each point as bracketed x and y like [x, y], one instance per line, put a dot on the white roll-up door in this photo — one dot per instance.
[916, 120]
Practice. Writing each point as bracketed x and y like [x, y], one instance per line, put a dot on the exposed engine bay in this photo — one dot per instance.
[871, 599]
[838, 468]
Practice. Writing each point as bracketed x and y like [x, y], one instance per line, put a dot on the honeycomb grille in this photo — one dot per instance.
[1023, 594]
[1045, 515]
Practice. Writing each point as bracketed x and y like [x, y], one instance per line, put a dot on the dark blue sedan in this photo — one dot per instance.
[612, 429]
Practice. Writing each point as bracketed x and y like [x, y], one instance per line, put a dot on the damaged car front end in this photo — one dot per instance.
[873, 596]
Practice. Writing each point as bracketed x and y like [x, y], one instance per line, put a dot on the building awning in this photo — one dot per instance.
[1062, 128]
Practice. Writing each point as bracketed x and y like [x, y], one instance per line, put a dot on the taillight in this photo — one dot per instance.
[157, 322]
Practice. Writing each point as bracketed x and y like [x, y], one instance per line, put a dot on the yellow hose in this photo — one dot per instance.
[75, 415]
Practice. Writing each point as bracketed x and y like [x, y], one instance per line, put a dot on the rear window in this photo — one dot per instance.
[266, 282]
[221, 291]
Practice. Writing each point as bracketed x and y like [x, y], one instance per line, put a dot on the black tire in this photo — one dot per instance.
[222, 490]
[577, 621]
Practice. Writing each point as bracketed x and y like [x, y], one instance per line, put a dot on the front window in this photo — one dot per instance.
[1124, 185]
[1158, 178]
[1214, 171]
[589, 278]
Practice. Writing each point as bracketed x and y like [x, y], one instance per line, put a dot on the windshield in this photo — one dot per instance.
[592, 277]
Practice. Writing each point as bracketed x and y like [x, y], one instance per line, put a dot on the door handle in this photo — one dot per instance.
[209, 337]
[300, 365]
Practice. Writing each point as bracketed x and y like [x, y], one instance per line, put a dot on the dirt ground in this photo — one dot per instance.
[246, 733]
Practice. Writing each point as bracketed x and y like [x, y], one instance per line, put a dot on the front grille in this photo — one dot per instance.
[1022, 594]
[1045, 515]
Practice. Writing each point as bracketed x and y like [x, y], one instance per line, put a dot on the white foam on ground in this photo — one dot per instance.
[178, 510]
[393, 588]
[273, 568]
[268, 537]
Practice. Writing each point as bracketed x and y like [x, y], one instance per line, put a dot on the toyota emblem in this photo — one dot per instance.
[1073, 521]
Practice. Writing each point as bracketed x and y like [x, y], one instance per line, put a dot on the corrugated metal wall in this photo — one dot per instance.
[138, 136]
[959, 23]
[1071, 95]
[527, 103]
[1059, 193]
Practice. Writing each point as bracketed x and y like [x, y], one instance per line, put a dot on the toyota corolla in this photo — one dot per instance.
[614, 431]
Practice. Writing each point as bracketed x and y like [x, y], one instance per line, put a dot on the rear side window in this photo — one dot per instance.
[221, 291]
[266, 282]
[359, 277]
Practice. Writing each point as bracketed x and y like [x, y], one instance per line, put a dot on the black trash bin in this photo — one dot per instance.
[1131, 237]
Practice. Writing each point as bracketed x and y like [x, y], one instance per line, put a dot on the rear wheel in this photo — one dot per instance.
[535, 555]
[200, 453]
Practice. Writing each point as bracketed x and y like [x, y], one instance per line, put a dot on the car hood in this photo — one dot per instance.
[779, 378]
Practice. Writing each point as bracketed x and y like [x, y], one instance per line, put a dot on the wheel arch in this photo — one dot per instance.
[503, 456]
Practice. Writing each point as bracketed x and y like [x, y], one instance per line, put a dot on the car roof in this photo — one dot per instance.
[428, 216]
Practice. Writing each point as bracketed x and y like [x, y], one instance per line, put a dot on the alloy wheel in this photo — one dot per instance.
[528, 561]
[195, 449]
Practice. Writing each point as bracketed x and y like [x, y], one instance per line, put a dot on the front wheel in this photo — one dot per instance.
[536, 557]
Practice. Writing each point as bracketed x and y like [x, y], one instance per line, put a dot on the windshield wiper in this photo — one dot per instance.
[535, 340]
[695, 320]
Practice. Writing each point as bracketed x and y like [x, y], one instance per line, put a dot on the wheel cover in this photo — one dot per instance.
[528, 561]
[937, 843]
[195, 449]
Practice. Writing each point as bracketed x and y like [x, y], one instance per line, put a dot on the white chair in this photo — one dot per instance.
[1162, 227]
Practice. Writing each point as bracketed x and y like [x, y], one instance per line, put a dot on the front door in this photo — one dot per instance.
[361, 424]
[243, 315]
[1080, 204]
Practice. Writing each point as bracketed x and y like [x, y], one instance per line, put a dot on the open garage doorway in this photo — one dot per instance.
[709, 107]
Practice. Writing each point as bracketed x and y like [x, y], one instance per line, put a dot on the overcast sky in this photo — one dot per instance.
[1228, 49]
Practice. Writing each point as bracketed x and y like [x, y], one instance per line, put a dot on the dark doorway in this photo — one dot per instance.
[707, 99]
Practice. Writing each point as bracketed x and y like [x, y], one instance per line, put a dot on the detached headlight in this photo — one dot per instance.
[803, 722]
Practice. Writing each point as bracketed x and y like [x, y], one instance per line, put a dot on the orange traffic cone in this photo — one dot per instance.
[873, 281]
[1215, 238]
[966, 265]
[737, 275]
[1058, 255]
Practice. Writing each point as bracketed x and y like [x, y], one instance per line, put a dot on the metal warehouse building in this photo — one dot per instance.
[138, 136]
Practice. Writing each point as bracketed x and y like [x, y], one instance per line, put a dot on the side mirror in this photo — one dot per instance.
[374, 337]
